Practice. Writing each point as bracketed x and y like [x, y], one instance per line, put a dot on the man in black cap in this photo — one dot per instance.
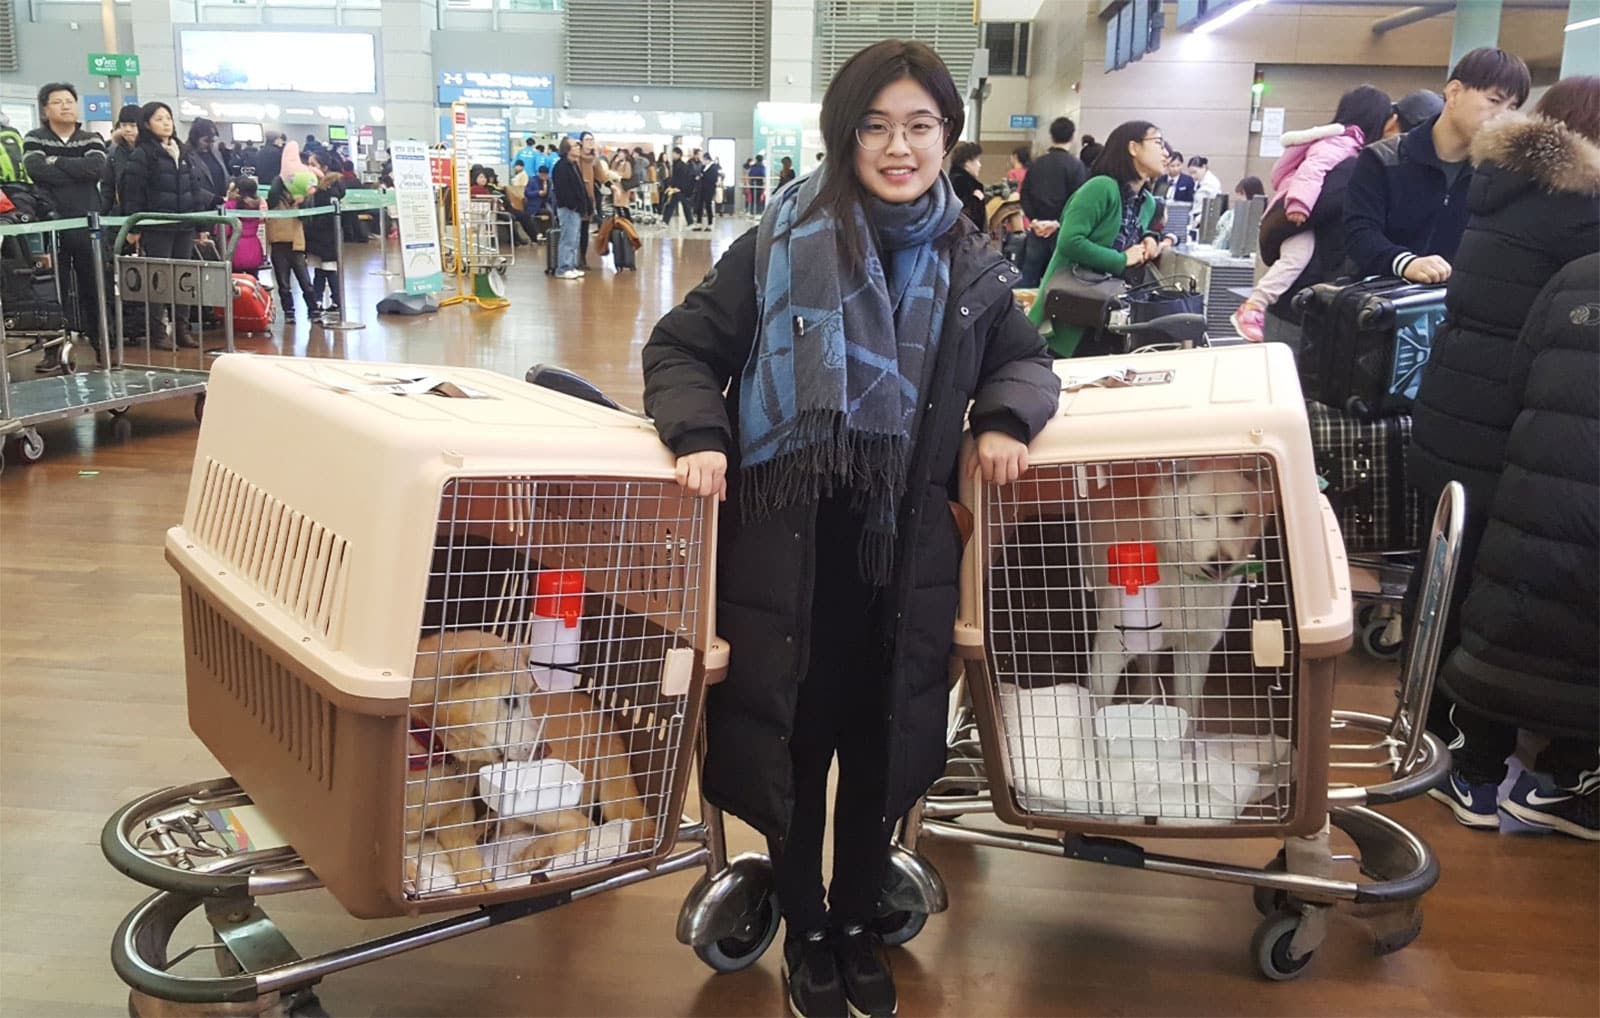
[1412, 111]
[123, 136]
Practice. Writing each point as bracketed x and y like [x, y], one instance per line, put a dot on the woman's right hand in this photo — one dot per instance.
[704, 473]
[1135, 255]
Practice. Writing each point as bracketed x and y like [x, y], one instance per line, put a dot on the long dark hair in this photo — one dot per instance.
[1366, 107]
[1114, 161]
[149, 110]
[845, 105]
[201, 128]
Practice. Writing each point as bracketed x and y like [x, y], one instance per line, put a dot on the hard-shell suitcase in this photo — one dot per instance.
[252, 304]
[1364, 465]
[1364, 344]
[621, 250]
[552, 246]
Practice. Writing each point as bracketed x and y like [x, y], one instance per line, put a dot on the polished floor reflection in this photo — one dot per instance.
[92, 713]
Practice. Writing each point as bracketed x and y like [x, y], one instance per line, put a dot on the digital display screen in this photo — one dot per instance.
[247, 132]
[337, 132]
[278, 61]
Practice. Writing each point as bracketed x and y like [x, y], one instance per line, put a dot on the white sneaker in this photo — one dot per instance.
[569, 274]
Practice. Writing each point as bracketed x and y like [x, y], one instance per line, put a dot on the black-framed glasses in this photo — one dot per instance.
[922, 132]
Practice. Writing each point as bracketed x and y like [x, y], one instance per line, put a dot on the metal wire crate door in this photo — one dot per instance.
[549, 702]
[1141, 638]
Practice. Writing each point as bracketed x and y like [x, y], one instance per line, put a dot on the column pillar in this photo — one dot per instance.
[793, 40]
[156, 46]
[409, 94]
[1477, 24]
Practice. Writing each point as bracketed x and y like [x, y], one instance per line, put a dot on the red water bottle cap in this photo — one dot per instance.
[1133, 565]
[559, 595]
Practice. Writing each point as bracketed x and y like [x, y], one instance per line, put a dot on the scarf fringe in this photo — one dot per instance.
[822, 457]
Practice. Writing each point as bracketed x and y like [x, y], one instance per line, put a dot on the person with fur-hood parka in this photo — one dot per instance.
[1535, 207]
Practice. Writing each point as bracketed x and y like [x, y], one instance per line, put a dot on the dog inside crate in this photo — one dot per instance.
[547, 707]
[1141, 636]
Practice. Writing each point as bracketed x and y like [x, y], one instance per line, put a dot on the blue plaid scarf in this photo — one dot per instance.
[831, 397]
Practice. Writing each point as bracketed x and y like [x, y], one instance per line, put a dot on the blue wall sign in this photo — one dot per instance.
[1024, 122]
[497, 88]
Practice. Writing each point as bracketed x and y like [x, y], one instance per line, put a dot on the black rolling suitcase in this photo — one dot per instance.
[621, 251]
[1364, 465]
[552, 245]
[1364, 344]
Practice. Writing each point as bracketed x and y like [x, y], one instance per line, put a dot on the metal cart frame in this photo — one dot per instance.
[1296, 889]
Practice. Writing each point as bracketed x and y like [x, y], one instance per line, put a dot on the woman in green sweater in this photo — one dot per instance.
[1106, 224]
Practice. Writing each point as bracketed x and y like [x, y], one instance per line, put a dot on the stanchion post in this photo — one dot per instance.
[97, 251]
[383, 240]
[345, 323]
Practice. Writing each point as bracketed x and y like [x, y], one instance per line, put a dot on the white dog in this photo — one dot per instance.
[1206, 519]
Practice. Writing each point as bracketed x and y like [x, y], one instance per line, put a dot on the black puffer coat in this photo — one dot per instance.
[1535, 201]
[1530, 629]
[989, 354]
[153, 181]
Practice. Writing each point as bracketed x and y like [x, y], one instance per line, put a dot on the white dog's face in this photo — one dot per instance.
[1210, 520]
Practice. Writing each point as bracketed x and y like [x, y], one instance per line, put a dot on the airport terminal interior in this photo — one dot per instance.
[1221, 683]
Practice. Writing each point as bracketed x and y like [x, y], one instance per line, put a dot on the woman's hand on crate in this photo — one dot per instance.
[999, 458]
[704, 473]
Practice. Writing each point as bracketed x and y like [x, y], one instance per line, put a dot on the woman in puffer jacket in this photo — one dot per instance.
[1530, 629]
[1535, 203]
[160, 177]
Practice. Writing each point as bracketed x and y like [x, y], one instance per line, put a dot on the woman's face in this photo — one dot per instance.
[482, 180]
[1016, 164]
[899, 172]
[161, 124]
[1149, 155]
[974, 166]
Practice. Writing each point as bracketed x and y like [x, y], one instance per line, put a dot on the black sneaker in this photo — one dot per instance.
[864, 967]
[811, 977]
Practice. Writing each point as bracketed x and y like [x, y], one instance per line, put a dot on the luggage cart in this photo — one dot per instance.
[1378, 587]
[117, 384]
[30, 257]
[1039, 739]
[567, 636]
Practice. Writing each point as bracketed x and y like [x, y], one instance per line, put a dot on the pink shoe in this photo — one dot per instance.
[1249, 321]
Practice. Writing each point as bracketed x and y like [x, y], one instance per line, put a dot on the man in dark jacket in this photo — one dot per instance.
[680, 186]
[1406, 207]
[1530, 643]
[123, 137]
[1051, 180]
[1176, 185]
[706, 194]
[573, 202]
[269, 161]
[67, 162]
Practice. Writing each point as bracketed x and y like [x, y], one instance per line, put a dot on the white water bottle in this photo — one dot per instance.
[1133, 572]
[555, 636]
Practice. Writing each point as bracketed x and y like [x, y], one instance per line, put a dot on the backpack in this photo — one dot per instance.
[11, 168]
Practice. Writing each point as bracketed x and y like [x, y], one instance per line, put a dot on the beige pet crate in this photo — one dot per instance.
[449, 631]
[1150, 616]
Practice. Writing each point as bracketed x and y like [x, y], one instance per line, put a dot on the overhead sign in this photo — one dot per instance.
[497, 88]
[98, 107]
[1024, 122]
[114, 65]
[609, 121]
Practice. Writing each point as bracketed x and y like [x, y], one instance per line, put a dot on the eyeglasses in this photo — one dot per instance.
[1157, 139]
[924, 132]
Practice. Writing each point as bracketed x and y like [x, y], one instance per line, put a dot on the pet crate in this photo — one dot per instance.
[448, 630]
[1150, 616]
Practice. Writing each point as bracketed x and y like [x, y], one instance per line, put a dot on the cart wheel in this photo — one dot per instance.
[69, 360]
[1267, 900]
[1375, 643]
[1365, 614]
[744, 948]
[31, 445]
[200, 407]
[899, 928]
[1270, 946]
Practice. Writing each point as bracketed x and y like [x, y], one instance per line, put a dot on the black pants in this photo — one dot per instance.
[326, 281]
[168, 243]
[841, 711]
[1480, 745]
[287, 263]
[669, 206]
[78, 265]
[705, 208]
[583, 244]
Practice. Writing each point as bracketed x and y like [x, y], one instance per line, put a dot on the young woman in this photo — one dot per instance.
[322, 247]
[1021, 158]
[839, 551]
[160, 177]
[1106, 224]
[965, 165]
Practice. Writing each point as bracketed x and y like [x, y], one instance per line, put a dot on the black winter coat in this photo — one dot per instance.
[1530, 629]
[1535, 202]
[153, 181]
[970, 190]
[321, 231]
[988, 353]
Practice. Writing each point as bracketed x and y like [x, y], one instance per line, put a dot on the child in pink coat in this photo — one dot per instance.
[249, 255]
[1297, 184]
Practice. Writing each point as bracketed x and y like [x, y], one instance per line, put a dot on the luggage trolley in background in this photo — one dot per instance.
[454, 660]
[117, 385]
[1149, 624]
